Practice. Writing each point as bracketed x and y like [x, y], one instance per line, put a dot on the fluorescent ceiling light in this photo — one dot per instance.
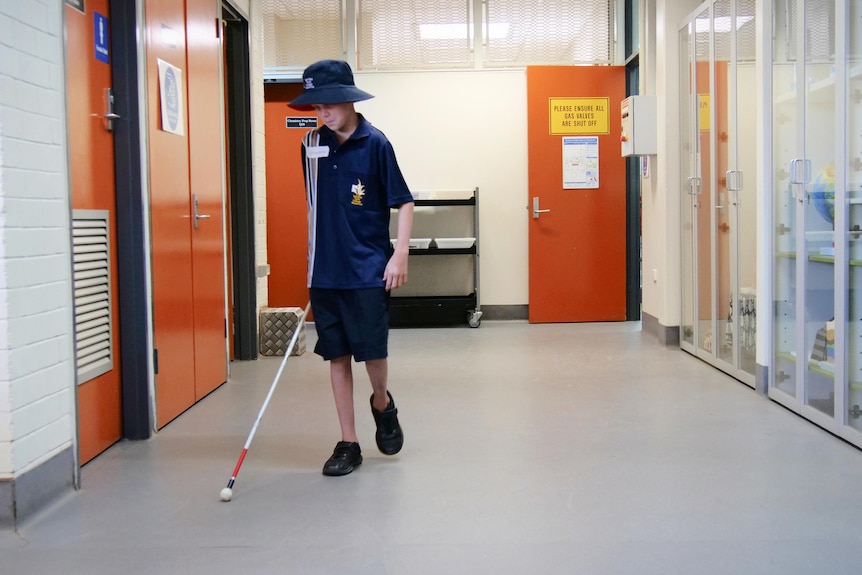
[460, 31]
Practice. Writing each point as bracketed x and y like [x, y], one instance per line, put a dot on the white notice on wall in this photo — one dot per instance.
[580, 162]
[171, 96]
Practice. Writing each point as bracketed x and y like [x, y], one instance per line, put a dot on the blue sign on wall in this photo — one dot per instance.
[100, 37]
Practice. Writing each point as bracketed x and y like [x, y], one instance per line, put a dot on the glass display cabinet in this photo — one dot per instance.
[817, 212]
[719, 177]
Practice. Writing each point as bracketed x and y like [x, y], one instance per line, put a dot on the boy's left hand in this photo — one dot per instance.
[395, 274]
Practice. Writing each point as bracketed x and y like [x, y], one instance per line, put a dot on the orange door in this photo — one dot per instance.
[91, 155]
[287, 232]
[577, 251]
[206, 118]
[170, 217]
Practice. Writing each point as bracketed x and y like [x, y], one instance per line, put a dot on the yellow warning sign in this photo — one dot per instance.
[703, 109]
[579, 115]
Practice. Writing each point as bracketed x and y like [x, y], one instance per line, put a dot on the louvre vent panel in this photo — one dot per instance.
[91, 279]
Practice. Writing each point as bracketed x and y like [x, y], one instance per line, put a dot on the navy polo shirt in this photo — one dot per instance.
[350, 189]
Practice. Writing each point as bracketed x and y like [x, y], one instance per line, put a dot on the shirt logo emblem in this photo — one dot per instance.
[358, 190]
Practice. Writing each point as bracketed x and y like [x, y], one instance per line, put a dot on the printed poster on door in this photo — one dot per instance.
[580, 162]
[170, 95]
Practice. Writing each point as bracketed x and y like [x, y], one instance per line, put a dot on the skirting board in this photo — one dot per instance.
[667, 336]
[761, 379]
[21, 497]
[505, 312]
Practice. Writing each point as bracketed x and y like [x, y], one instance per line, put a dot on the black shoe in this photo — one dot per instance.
[389, 435]
[345, 458]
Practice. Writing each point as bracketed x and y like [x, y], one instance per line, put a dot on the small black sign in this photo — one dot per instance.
[77, 5]
[300, 122]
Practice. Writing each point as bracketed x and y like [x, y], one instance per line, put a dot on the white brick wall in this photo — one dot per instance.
[258, 118]
[253, 13]
[36, 363]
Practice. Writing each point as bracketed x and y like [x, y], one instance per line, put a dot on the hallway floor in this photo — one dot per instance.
[530, 449]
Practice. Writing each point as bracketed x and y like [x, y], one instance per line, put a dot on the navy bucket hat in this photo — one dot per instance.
[328, 82]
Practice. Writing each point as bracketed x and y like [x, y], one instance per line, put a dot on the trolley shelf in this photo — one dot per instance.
[430, 311]
[462, 202]
[443, 252]
[435, 296]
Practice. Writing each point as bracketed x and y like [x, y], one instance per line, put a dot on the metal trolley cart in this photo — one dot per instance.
[443, 284]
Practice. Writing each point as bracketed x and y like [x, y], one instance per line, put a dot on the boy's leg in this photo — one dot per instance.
[378, 373]
[341, 375]
[389, 436]
[347, 454]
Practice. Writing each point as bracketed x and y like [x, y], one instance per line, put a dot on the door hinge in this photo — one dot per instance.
[155, 361]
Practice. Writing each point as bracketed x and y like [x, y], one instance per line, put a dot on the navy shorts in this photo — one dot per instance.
[351, 322]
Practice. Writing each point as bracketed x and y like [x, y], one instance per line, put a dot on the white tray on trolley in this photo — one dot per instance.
[455, 243]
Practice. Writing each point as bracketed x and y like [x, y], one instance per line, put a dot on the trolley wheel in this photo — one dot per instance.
[474, 318]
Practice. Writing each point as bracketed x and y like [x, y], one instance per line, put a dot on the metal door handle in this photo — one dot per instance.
[536, 210]
[694, 185]
[196, 214]
[109, 115]
[800, 171]
[734, 180]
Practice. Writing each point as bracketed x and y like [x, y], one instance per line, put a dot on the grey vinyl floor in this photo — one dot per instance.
[563, 449]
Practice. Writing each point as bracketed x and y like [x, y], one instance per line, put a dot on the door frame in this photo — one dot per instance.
[136, 361]
[241, 198]
[634, 273]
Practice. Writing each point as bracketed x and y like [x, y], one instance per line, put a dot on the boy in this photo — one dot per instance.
[352, 180]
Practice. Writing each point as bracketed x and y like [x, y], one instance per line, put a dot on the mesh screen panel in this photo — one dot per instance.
[297, 33]
[722, 27]
[701, 36]
[855, 19]
[415, 34]
[819, 30]
[412, 34]
[521, 33]
[744, 26]
[746, 30]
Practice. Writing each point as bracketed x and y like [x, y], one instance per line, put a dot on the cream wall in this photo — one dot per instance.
[661, 191]
[258, 120]
[458, 130]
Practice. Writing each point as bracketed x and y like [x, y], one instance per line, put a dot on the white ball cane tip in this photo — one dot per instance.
[226, 494]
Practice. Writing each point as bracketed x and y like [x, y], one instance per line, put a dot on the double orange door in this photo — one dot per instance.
[188, 271]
